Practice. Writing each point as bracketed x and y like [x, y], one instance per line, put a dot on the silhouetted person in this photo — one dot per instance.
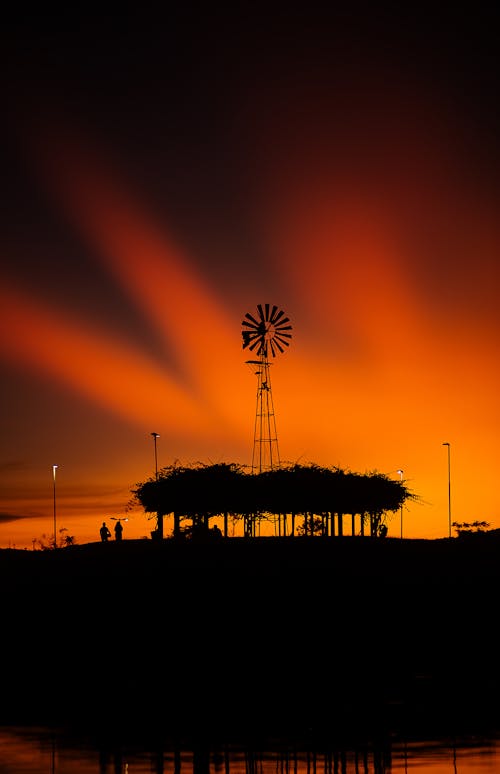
[105, 533]
[118, 530]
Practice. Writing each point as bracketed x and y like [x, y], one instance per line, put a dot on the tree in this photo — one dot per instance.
[46, 543]
[464, 528]
[197, 493]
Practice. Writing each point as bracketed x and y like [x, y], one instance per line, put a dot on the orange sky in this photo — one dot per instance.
[367, 217]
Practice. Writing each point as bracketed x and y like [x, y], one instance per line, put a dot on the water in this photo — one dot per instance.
[40, 750]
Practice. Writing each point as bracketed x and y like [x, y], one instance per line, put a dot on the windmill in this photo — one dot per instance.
[266, 333]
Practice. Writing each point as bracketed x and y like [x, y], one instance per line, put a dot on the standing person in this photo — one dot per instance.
[118, 530]
[105, 533]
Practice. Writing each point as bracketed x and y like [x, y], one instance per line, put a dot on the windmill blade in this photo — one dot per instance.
[252, 341]
[267, 312]
[280, 314]
[252, 331]
[254, 338]
[252, 328]
[249, 316]
[252, 334]
[261, 311]
[273, 318]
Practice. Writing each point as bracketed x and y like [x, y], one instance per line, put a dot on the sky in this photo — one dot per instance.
[165, 174]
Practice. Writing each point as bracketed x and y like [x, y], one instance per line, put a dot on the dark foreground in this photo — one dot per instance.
[324, 638]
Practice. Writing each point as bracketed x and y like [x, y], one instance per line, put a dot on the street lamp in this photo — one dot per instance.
[54, 468]
[155, 436]
[159, 515]
[401, 478]
[449, 488]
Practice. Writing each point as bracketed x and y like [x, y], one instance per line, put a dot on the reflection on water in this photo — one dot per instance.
[35, 751]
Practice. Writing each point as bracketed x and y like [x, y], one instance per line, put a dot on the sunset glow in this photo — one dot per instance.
[367, 213]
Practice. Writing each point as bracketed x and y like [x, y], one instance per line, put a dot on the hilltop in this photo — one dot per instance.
[472, 559]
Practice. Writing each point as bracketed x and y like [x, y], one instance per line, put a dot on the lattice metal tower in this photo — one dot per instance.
[266, 333]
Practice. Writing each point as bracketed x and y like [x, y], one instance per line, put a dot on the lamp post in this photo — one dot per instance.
[449, 488]
[155, 436]
[54, 468]
[401, 479]
[159, 516]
